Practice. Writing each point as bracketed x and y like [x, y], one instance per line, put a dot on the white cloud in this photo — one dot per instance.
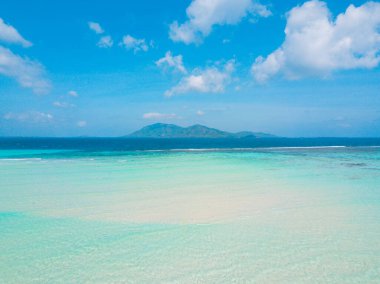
[105, 42]
[200, 113]
[157, 115]
[317, 44]
[11, 35]
[73, 93]
[209, 80]
[28, 73]
[95, 27]
[82, 123]
[62, 104]
[204, 14]
[129, 42]
[173, 62]
[32, 117]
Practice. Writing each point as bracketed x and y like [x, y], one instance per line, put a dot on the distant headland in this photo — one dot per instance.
[163, 130]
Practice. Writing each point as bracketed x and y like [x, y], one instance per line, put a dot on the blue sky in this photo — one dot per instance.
[106, 68]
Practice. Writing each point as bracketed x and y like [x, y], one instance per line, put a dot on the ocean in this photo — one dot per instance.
[117, 210]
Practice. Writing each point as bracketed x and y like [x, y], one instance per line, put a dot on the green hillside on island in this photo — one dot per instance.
[162, 130]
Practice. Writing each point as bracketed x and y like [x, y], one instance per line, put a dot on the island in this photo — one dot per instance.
[163, 130]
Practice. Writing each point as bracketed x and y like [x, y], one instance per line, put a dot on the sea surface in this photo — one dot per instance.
[114, 210]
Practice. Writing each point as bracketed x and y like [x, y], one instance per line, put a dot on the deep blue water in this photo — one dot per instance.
[132, 144]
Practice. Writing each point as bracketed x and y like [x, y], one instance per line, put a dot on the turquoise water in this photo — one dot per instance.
[257, 216]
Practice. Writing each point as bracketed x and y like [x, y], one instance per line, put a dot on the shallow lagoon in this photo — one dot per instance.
[260, 215]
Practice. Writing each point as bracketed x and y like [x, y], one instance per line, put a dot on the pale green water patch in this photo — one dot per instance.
[284, 216]
[50, 250]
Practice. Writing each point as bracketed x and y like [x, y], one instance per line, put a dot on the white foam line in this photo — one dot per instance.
[248, 149]
[305, 147]
[21, 159]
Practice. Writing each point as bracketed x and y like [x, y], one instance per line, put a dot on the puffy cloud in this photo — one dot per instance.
[209, 80]
[204, 14]
[28, 73]
[200, 113]
[72, 93]
[11, 35]
[32, 116]
[317, 44]
[105, 42]
[82, 123]
[173, 62]
[129, 42]
[95, 27]
[62, 104]
[157, 115]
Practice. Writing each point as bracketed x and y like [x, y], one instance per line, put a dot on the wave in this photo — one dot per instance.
[246, 149]
[20, 159]
[308, 147]
[90, 156]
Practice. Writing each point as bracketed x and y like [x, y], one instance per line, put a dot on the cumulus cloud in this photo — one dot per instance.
[208, 80]
[200, 113]
[317, 44]
[203, 15]
[11, 35]
[157, 115]
[135, 44]
[82, 123]
[95, 27]
[173, 62]
[105, 42]
[72, 93]
[28, 73]
[32, 116]
[62, 104]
